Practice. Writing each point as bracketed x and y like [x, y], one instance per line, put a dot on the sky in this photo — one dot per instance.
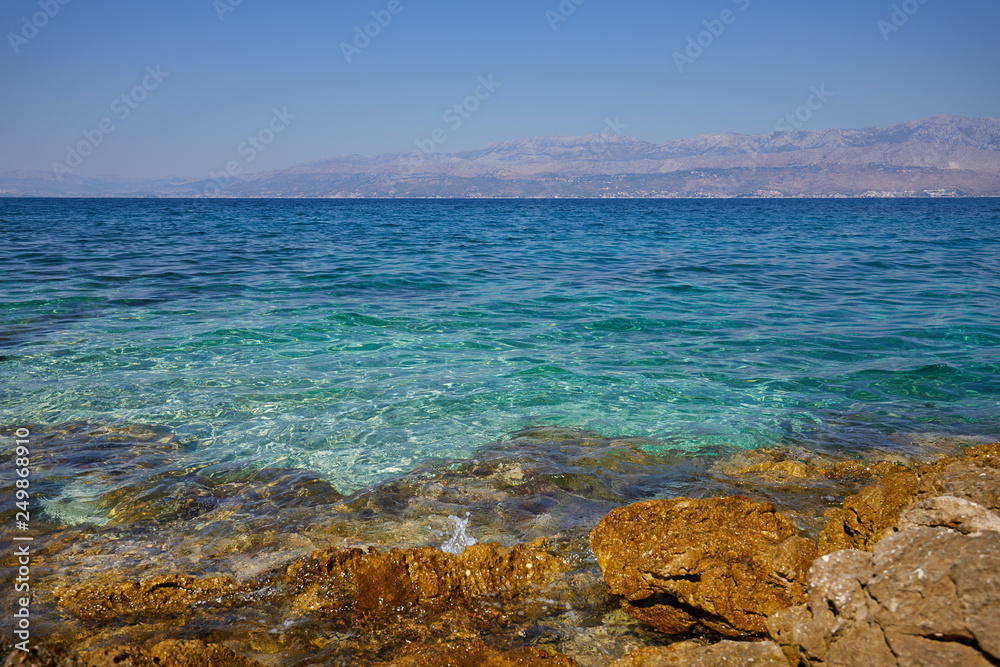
[183, 88]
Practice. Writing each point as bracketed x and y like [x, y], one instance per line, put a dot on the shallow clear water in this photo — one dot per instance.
[358, 339]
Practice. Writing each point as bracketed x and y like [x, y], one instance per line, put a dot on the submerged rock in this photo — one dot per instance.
[805, 484]
[378, 601]
[216, 492]
[724, 562]
[42, 655]
[157, 596]
[364, 586]
[169, 653]
[349, 583]
[927, 596]
[475, 654]
[71, 459]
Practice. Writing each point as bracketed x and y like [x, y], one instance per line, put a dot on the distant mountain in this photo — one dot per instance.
[940, 156]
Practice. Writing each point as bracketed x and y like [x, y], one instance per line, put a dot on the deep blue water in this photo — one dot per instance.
[360, 338]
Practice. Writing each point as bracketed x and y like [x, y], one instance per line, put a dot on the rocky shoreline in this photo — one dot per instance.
[768, 557]
[906, 573]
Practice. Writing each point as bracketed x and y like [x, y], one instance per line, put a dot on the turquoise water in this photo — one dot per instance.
[359, 339]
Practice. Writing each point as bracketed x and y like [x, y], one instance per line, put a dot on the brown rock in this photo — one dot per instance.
[661, 613]
[175, 653]
[869, 515]
[797, 469]
[986, 455]
[730, 562]
[372, 584]
[41, 655]
[476, 654]
[926, 596]
[873, 513]
[170, 653]
[723, 654]
[352, 583]
[821, 470]
[972, 479]
[864, 469]
[118, 656]
[173, 594]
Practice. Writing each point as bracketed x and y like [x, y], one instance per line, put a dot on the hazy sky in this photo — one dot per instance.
[201, 76]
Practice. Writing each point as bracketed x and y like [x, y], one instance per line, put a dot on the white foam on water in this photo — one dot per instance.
[459, 540]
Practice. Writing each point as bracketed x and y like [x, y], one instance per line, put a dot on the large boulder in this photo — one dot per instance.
[724, 562]
[927, 596]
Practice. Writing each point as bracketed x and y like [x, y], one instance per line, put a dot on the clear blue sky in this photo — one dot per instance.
[607, 60]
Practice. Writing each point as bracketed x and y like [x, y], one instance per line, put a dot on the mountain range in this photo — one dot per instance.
[940, 156]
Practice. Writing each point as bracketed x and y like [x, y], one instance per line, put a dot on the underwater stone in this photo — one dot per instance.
[372, 584]
[476, 654]
[157, 596]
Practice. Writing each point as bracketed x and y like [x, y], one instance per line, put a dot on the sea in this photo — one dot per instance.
[361, 339]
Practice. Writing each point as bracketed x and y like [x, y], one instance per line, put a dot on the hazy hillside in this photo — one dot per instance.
[940, 156]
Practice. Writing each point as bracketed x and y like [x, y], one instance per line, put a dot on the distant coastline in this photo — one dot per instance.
[944, 156]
